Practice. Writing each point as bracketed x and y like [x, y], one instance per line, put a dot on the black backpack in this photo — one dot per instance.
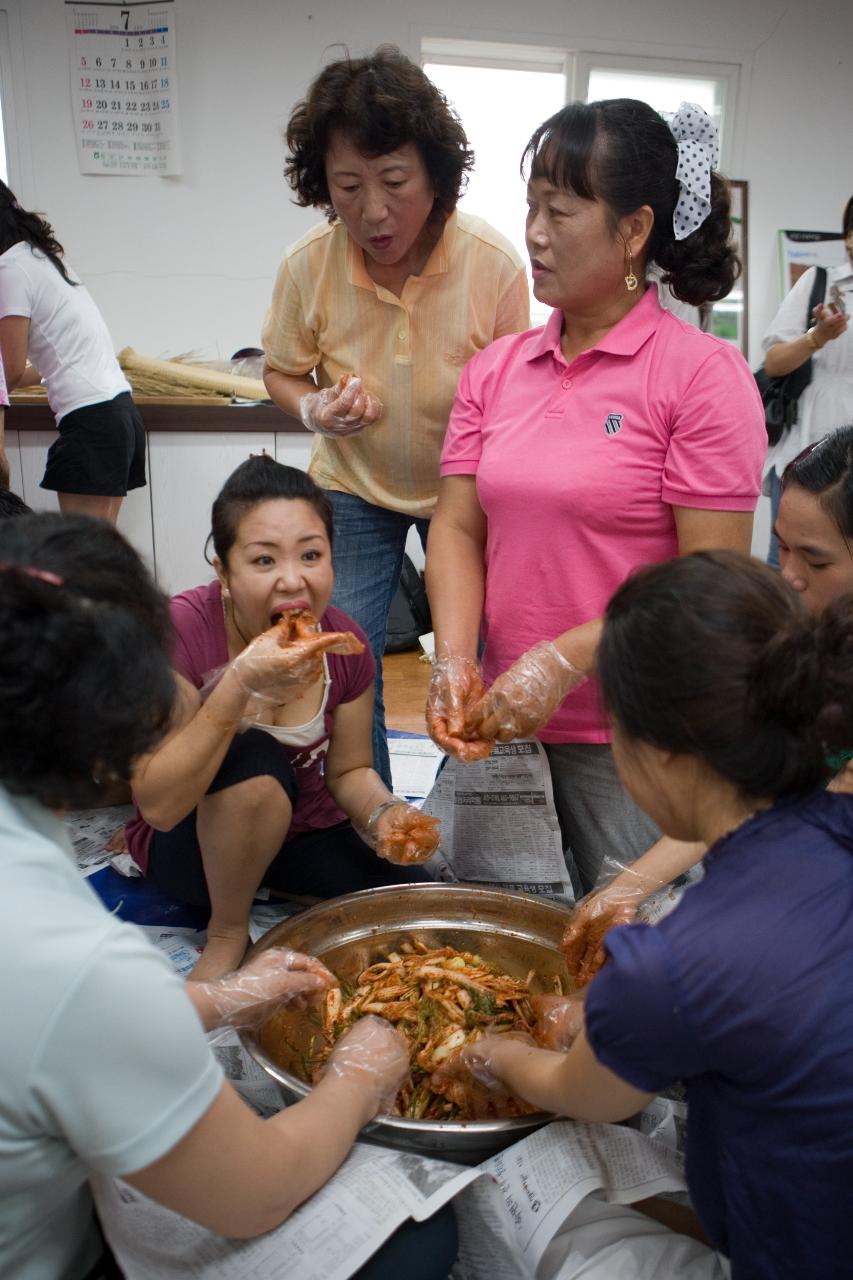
[781, 395]
[409, 616]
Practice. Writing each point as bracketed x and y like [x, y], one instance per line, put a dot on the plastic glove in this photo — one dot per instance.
[277, 978]
[470, 1078]
[558, 1020]
[341, 410]
[526, 696]
[455, 687]
[401, 833]
[372, 1057]
[592, 918]
[278, 670]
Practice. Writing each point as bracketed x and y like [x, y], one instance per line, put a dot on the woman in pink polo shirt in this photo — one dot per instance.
[615, 436]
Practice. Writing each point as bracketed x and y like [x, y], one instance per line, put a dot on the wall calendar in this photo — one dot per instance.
[124, 86]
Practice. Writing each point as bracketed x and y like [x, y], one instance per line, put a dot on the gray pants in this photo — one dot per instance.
[603, 830]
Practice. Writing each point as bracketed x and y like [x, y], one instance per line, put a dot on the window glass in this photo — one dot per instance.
[499, 109]
[662, 91]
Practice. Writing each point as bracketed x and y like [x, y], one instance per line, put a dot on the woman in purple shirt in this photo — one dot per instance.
[725, 695]
[266, 777]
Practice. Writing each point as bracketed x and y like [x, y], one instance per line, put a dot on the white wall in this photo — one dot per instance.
[187, 263]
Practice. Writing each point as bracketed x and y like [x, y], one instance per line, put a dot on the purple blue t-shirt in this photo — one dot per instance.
[201, 648]
[745, 993]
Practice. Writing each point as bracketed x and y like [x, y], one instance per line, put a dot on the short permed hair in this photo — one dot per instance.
[381, 103]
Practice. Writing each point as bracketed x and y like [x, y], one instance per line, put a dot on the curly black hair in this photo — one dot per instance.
[85, 681]
[622, 152]
[380, 102]
[11, 505]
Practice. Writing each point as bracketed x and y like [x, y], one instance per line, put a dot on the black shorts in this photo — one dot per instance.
[321, 863]
[100, 450]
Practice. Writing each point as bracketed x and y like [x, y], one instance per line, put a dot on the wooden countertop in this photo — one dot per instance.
[167, 413]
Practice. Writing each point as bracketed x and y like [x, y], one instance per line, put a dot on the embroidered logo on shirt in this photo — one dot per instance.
[613, 423]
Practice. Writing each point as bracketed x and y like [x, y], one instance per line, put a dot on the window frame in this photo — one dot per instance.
[576, 63]
[728, 73]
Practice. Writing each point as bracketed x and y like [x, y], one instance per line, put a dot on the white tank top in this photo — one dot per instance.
[299, 735]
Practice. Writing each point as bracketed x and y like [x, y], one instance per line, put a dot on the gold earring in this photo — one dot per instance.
[631, 280]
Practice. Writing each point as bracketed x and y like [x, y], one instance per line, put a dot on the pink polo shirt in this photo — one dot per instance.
[579, 465]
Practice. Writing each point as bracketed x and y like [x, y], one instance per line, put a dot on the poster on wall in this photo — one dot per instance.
[124, 86]
[799, 250]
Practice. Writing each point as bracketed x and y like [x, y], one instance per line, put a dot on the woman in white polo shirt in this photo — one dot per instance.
[49, 318]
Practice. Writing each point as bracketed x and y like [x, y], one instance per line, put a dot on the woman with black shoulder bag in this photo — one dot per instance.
[827, 401]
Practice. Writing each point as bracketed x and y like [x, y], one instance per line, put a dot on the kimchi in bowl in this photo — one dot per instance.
[513, 932]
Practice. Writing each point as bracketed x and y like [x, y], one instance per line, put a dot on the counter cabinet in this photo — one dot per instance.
[191, 449]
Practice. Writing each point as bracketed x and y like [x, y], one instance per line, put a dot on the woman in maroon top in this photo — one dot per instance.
[266, 776]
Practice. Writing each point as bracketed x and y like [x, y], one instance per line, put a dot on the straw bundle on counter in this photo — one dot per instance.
[150, 377]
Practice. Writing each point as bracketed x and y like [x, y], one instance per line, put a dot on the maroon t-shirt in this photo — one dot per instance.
[201, 648]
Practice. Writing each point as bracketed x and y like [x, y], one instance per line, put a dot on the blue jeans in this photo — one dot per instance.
[369, 546]
[775, 498]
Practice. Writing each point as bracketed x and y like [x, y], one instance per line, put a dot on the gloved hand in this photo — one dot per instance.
[277, 670]
[401, 833]
[558, 1020]
[277, 978]
[526, 696]
[341, 410]
[470, 1078]
[455, 687]
[591, 919]
[479, 1055]
[372, 1058]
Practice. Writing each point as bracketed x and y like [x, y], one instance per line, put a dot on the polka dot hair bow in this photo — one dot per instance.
[698, 153]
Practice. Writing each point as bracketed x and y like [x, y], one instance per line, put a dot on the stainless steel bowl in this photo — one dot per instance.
[511, 930]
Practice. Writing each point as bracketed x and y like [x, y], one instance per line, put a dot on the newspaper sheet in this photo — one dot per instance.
[509, 1208]
[327, 1238]
[534, 1186]
[414, 762]
[91, 830]
[499, 825]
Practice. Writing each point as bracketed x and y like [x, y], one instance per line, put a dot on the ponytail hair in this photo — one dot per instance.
[621, 151]
[17, 224]
[713, 655]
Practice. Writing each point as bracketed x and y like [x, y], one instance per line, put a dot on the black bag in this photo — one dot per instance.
[409, 616]
[781, 395]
